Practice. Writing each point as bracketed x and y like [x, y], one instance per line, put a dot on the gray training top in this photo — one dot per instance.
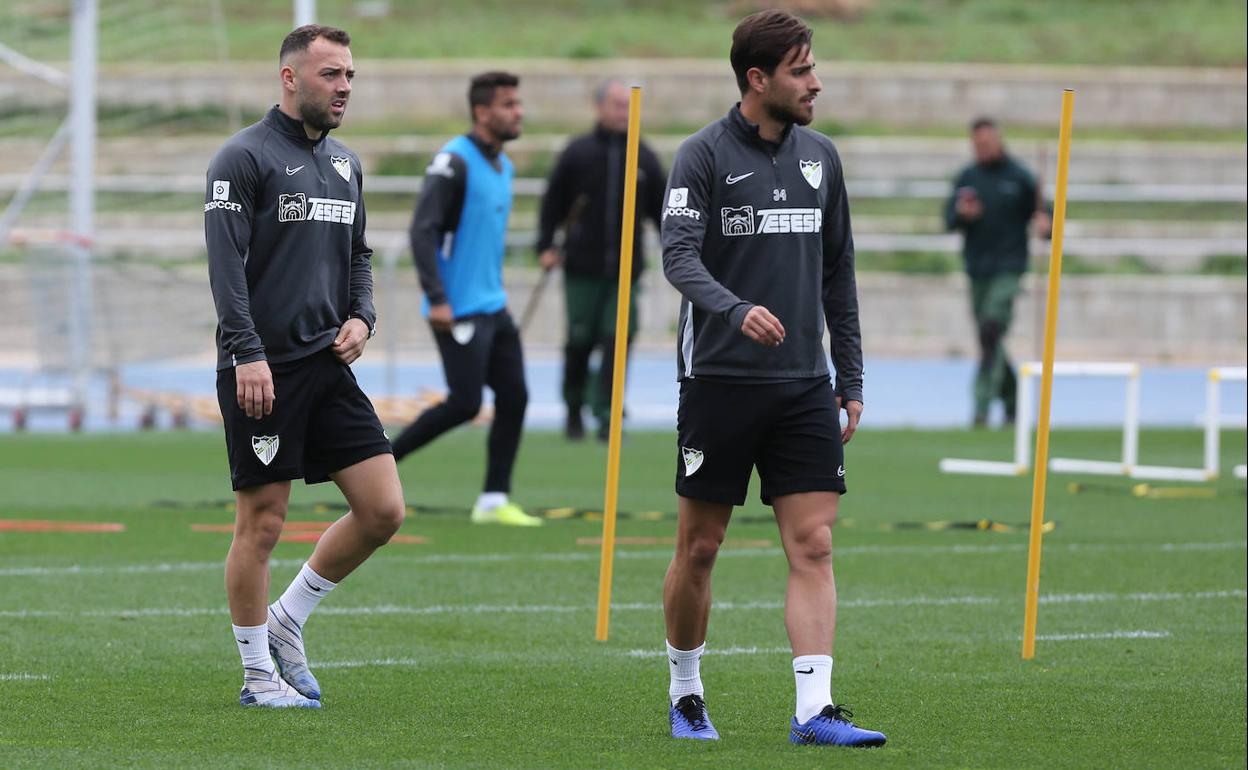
[747, 222]
[287, 259]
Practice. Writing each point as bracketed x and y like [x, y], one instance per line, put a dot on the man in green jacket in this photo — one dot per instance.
[993, 202]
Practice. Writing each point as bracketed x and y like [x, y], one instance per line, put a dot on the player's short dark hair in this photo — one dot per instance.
[481, 89]
[762, 40]
[983, 121]
[301, 37]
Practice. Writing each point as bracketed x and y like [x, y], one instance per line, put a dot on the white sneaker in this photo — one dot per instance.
[267, 690]
[286, 647]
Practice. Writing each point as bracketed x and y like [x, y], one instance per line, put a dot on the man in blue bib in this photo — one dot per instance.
[457, 238]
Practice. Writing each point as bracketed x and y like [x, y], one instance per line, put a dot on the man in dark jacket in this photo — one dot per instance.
[756, 237]
[292, 281]
[993, 201]
[585, 197]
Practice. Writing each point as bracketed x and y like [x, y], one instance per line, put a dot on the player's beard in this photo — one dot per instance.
[789, 113]
[507, 133]
[503, 130]
[318, 117]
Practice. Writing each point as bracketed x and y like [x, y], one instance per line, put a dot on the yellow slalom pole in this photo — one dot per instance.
[1046, 381]
[623, 296]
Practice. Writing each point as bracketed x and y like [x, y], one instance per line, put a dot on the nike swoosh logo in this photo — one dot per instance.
[292, 171]
[810, 670]
[242, 641]
[314, 588]
[730, 179]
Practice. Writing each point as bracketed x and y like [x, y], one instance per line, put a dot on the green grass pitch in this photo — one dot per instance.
[476, 650]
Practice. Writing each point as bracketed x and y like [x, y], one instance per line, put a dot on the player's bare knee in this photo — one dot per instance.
[701, 549]
[812, 548]
[260, 528]
[384, 521]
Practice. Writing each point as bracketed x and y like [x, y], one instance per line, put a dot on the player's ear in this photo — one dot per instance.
[757, 79]
[287, 74]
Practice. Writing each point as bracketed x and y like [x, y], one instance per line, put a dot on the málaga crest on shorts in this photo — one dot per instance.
[463, 332]
[693, 460]
[265, 447]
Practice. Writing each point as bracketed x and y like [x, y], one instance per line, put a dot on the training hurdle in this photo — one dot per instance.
[1128, 466]
[1021, 463]
[1213, 434]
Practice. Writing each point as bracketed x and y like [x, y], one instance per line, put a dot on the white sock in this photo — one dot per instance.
[488, 501]
[814, 684]
[683, 665]
[303, 594]
[253, 647]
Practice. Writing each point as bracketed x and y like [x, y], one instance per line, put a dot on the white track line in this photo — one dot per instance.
[132, 569]
[1103, 635]
[550, 609]
[1150, 597]
[577, 556]
[713, 652]
[405, 662]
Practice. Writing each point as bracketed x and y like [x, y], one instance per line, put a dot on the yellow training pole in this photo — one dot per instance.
[622, 296]
[1046, 381]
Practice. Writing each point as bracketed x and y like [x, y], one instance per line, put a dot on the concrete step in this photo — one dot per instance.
[1164, 254]
[696, 91]
[864, 158]
[149, 312]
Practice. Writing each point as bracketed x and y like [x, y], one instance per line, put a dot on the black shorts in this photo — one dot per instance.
[790, 430]
[321, 423]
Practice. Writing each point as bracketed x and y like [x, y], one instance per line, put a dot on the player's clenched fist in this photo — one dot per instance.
[763, 327]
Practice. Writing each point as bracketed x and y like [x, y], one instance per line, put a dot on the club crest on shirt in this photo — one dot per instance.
[265, 447]
[812, 170]
[342, 165]
[693, 460]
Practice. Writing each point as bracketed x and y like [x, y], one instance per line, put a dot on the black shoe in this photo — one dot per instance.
[574, 428]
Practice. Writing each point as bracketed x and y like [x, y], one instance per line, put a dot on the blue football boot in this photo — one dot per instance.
[831, 727]
[689, 720]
